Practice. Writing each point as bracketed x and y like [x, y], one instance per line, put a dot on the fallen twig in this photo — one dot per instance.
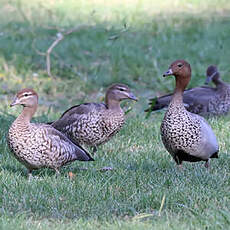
[48, 52]
[60, 37]
[61, 33]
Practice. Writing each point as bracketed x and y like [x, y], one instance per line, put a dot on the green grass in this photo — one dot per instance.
[84, 64]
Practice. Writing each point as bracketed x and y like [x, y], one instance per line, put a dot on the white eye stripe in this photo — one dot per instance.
[26, 95]
[122, 89]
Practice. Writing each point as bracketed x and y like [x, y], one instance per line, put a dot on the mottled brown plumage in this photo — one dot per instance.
[219, 104]
[95, 123]
[203, 100]
[186, 136]
[40, 145]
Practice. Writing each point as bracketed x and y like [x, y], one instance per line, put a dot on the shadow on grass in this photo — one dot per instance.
[44, 172]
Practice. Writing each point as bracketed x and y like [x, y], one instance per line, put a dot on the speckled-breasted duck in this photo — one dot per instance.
[40, 145]
[95, 123]
[220, 103]
[186, 136]
[202, 100]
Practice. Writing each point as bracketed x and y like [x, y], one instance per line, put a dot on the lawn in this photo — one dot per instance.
[127, 41]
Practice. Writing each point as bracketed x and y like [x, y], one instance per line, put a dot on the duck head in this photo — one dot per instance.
[26, 98]
[117, 93]
[182, 72]
[212, 74]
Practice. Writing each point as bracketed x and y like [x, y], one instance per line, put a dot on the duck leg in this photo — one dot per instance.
[30, 176]
[94, 149]
[207, 164]
[57, 171]
[178, 160]
[180, 166]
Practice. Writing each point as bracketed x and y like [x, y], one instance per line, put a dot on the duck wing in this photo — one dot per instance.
[208, 147]
[197, 99]
[75, 113]
[194, 99]
[61, 147]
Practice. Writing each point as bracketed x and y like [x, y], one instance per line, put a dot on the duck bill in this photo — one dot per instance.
[15, 102]
[168, 73]
[132, 97]
[209, 78]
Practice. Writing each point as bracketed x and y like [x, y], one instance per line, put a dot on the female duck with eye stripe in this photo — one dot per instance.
[40, 145]
[186, 136]
[95, 123]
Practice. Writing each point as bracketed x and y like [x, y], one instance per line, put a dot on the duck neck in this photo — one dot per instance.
[217, 80]
[26, 114]
[181, 83]
[113, 104]
[177, 97]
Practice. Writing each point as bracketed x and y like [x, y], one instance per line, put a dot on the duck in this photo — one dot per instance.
[220, 103]
[185, 135]
[38, 145]
[204, 100]
[93, 124]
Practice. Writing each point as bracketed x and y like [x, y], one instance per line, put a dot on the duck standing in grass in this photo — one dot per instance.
[202, 100]
[95, 123]
[40, 145]
[186, 136]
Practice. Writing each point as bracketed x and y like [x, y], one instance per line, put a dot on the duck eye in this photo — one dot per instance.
[121, 89]
[26, 95]
[179, 65]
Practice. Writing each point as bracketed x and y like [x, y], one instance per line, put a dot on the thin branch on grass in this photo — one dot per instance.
[162, 204]
[48, 52]
[60, 37]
